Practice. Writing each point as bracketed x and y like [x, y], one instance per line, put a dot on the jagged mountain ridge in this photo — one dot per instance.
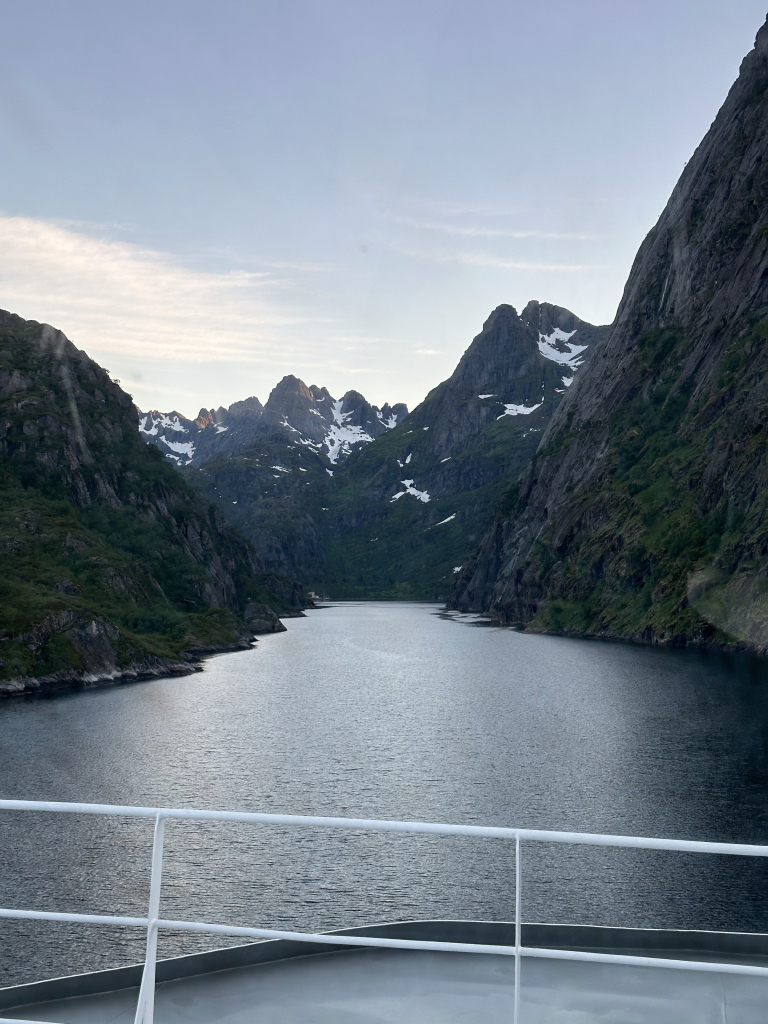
[643, 512]
[394, 517]
[306, 415]
[113, 566]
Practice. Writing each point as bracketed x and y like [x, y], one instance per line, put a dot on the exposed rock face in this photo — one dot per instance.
[643, 513]
[302, 415]
[261, 619]
[112, 564]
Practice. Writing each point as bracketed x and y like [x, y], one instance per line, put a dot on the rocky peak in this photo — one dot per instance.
[321, 394]
[292, 406]
[393, 414]
[205, 418]
[545, 318]
[504, 348]
[247, 407]
[308, 416]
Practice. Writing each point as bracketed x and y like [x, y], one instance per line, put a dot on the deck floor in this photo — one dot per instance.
[376, 986]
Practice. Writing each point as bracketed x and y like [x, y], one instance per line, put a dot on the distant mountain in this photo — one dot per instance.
[308, 416]
[113, 567]
[395, 517]
[643, 513]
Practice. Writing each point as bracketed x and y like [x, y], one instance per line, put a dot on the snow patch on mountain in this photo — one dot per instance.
[341, 435]
[162, 421]
[410, 489]
[389, 422]
[519, 410]
[180, 450]
[555, 346]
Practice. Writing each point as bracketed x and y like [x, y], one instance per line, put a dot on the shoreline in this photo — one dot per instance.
[151, 667]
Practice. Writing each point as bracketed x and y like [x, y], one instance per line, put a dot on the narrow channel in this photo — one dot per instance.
[390, 711]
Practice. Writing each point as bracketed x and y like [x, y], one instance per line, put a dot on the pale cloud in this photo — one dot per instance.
[477, 231]
[479, 259]
[428, 352]
[113, 296]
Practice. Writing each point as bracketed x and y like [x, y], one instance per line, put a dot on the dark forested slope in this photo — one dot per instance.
[645, 510]
[112, 565]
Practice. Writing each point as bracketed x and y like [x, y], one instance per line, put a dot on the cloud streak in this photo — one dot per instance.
[473, 231]
[113, 296]
[479, 259]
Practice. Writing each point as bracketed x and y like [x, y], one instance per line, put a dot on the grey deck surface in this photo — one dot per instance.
[378, 986]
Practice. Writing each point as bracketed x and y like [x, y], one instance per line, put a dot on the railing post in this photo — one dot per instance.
[518, 927]
[145, 1007]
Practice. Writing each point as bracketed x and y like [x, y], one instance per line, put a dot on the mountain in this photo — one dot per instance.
[274, 492]
[393, 518]
[306, 415]
[113, 566]
[186, 441]
[643, 512]
[407, 511]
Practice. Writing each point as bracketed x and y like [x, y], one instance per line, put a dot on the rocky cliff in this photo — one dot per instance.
[113, 566]
[643, 511]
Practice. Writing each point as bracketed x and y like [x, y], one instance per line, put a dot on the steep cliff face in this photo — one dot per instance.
[112, 565]
[643, 511]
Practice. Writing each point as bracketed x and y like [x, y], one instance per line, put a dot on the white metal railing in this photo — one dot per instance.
[153, 923]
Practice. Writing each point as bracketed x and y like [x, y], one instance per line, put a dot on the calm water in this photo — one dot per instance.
[389, 710]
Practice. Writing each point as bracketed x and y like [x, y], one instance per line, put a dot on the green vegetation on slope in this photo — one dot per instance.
[109, 558]
[657, 525]
[405, 550]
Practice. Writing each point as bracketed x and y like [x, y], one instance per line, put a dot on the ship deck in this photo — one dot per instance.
[282, 983]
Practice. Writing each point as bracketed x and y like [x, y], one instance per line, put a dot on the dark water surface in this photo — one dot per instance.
[389, 711]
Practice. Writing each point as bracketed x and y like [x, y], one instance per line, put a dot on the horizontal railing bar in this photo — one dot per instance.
[45, 915]
[375, 825]
[335, 940]
[642, 961]
[373, 941]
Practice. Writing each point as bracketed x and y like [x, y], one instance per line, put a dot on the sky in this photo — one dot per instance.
[206, 196]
